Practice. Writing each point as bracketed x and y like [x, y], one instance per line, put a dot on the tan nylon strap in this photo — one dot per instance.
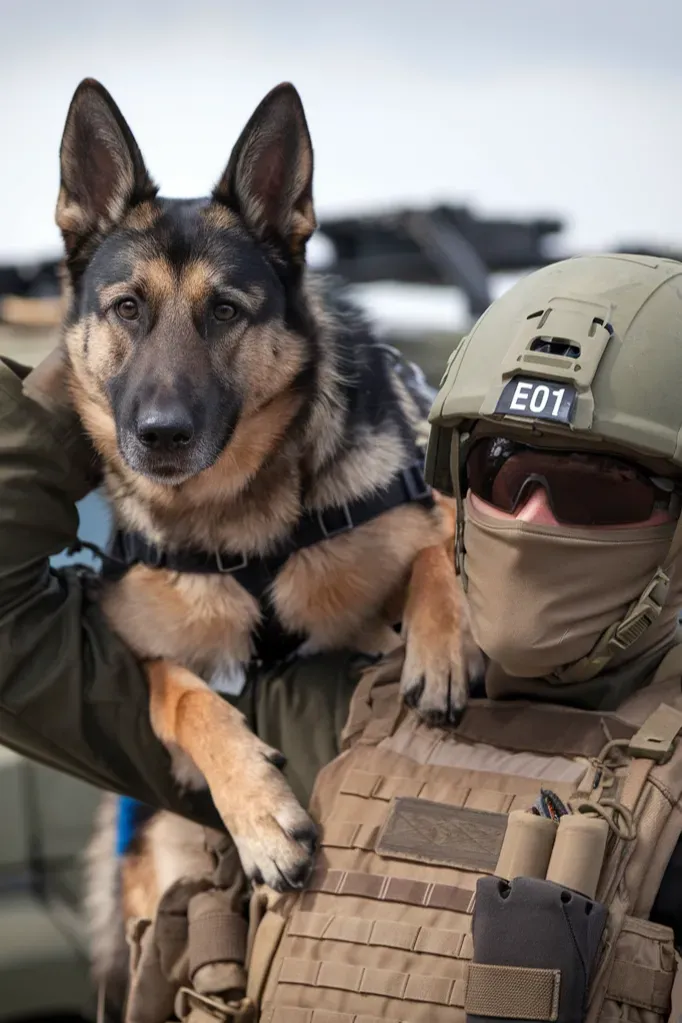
[392, 889]
[657, 733]
[386, 710]
[218, 936]
[360, 710]
[365, 980]
[512, 992]
[101, 1012]
[374, 698]
[640, 986]
[634, 783]
[676, 992]
[291, 1014]
[264, 947]
[155, 964]
[382, 933]
[655, 740]
[522, 726]
[368, 785]
[347, 835]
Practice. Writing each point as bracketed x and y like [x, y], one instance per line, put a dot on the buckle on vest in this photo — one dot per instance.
[190, 1003]
[329, 531]
[655, 740]
[229, 569]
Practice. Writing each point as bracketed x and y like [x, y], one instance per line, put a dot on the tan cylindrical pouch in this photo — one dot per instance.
[527, 846]
[578, 853]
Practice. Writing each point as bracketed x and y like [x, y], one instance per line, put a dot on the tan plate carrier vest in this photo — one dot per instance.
[412, 817]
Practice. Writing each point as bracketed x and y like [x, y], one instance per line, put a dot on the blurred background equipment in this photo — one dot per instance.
[441, 248]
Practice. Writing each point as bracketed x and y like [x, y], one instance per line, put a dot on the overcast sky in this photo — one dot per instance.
[530, 108]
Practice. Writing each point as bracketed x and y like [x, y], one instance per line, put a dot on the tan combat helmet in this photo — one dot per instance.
[585, 353]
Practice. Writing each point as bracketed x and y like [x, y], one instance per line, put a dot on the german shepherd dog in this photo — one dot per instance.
[230, 394]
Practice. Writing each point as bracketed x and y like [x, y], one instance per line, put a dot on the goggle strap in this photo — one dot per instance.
[675, 548]
[456, 466]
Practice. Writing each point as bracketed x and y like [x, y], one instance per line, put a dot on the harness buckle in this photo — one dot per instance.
[156, 557]
[329, 531]
[230, 569]
[416, 486]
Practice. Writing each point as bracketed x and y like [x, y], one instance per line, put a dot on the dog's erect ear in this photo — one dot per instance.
[269, 177]
[102, 170]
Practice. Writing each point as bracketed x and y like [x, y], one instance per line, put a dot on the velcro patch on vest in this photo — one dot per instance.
[443, 835]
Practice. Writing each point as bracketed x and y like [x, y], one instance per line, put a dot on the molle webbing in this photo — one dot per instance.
[382, 933]
[403, 890]
[408, 815]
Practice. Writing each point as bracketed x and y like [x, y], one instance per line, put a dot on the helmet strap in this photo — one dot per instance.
[455, 467]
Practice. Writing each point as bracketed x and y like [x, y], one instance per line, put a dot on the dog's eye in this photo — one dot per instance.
[224, 311]
[128, 309]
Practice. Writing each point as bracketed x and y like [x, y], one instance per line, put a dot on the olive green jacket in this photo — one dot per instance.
[71, 694]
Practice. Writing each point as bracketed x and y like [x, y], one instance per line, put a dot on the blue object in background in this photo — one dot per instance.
[131, 815]
[125, 823]
[95, 523]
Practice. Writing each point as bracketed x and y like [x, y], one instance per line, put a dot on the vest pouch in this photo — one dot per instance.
[534, 946]
[642, 973]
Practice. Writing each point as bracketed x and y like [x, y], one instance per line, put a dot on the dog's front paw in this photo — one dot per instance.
[275, 837]
[438, 673]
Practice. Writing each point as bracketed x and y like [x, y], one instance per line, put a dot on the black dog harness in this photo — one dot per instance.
[257, 572]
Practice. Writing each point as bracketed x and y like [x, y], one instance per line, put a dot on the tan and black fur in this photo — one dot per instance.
[226, 390]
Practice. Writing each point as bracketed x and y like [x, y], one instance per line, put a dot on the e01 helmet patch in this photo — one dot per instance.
[538, 399]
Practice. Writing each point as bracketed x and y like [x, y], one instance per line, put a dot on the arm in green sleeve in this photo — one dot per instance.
[72, 695]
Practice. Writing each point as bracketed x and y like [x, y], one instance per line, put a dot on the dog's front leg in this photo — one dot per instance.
[274, 835]
[441, 658]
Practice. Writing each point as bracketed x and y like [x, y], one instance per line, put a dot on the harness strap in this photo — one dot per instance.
[256, 572]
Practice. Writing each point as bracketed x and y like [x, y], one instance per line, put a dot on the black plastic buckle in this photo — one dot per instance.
[155, 557]
[416, 486]
[149, 555]
[230, 569]
[329, 532]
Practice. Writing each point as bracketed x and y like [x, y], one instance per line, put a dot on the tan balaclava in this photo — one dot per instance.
[540, 597]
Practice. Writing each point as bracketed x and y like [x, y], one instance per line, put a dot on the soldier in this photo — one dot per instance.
[556, 799]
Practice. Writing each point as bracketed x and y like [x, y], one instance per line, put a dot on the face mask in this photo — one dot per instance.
[541, 596]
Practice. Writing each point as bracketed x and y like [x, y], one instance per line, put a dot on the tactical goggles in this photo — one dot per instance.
[582, 489]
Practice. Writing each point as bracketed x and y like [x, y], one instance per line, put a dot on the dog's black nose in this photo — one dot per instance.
[165, 428]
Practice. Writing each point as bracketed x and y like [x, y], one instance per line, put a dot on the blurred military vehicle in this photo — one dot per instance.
[46, 817]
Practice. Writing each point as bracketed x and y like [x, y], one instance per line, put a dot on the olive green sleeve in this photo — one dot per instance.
[71, 694]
